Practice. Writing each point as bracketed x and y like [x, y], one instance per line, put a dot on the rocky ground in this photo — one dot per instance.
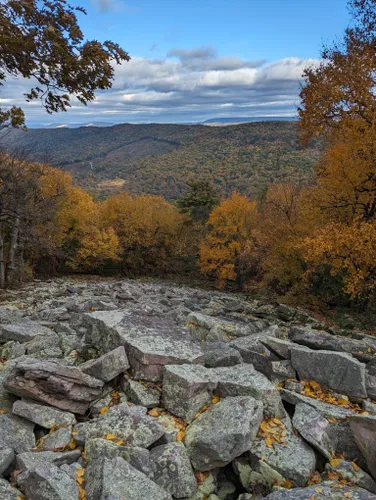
[141, 390]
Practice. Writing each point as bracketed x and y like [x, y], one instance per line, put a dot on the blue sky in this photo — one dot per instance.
[201, 59]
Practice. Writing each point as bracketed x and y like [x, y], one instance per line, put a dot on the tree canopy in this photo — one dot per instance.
[42, 40]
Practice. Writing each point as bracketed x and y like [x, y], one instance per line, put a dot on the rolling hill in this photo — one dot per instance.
[159, 158]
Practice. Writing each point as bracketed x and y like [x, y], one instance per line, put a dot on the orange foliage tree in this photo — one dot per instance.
[228, 239]
[147, 228]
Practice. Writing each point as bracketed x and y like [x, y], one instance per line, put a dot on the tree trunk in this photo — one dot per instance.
[11, 264]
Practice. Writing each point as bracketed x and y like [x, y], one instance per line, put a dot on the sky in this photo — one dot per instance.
[198, 60]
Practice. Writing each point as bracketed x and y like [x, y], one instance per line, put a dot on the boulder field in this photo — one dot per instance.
[138, 390]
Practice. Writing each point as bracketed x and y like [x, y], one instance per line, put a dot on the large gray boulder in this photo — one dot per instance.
[364, 430]
[223, 432]
[334, 370]
[45, 416]
[318, 431]
[61, 386]
[173, 470]
[187, 388]
[108, 366]
[47, 482]
[253, 351]
[244, 380]
[293, 459]
[16, 433]
[116, 479]
[128, 423]
[58, 440]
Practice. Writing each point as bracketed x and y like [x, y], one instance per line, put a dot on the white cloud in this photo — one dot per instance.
[178, 90]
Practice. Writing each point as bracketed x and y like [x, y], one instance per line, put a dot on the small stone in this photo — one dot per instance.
[140, 394]
[57, 440]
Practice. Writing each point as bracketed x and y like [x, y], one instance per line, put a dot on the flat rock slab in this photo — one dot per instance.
[334, 370]
[22, 332]
[319, 339]
[47, 482]
[108, 366]
[45, 416]
[364, 430]
[117, 479]
[61, 386]
[151, 341]
[30, 460]
[128, 423]
[223, 432]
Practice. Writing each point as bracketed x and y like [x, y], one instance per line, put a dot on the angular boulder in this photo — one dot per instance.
[334, 370]
[30, 460]
[140, 394]
[47, 482]
[173, 470]
[45, 416]
[186, 389]
[128, 423]
[293, 459]
[244, 380]
[223, 432]
[16, 433]
[364, 430]
[8, 492]
[108, 366]
[6, 458]
[61, 386]
[115, 478]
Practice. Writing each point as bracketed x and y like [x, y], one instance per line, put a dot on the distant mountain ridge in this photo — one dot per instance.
[159, 158]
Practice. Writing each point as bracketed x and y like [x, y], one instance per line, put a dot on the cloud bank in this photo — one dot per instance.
[186, 86]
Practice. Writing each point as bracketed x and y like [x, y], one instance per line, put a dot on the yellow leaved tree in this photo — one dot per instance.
[229, 238]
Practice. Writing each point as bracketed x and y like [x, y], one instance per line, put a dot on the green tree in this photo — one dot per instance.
[199, 200]
[41, 39]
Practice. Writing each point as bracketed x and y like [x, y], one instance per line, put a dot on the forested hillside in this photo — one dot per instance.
[159, 158]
